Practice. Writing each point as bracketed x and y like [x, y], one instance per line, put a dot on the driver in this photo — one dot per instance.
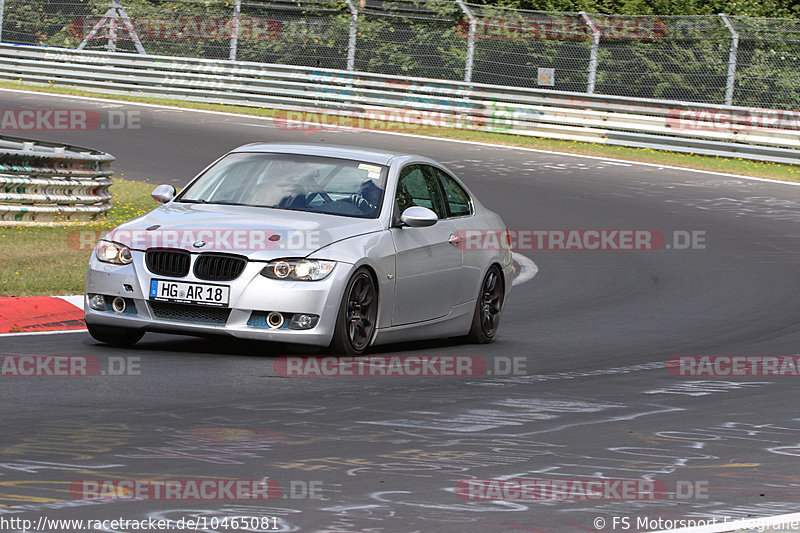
[368, 198]
[281, 184]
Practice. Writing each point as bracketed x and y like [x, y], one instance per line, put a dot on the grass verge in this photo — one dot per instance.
[52, 260]
[738, 166]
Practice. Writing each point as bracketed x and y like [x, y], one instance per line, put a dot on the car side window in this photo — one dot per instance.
[417, 187]
[458, 201]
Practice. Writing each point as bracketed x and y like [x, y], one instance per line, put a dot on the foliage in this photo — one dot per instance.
[687, 59]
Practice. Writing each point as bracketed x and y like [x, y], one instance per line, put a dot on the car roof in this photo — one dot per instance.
[359, 153]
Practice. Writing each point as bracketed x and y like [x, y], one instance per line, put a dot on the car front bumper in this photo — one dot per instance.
[252, 296]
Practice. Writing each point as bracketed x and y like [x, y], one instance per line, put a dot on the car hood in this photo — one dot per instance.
[256, 232]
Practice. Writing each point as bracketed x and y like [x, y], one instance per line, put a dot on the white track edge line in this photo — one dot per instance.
[53, 332]
[76, 300]
[527, 269]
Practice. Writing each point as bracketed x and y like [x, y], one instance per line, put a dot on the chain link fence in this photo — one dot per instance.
[753, 62]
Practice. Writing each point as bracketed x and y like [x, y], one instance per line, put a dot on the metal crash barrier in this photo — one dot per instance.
[411, 104]
[48, 183]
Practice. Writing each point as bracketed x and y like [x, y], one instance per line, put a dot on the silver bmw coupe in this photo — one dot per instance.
[332, 246]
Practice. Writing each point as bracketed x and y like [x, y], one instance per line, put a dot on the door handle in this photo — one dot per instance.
[455, 239]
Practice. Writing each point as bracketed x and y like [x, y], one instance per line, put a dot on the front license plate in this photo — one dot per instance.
[189, 293]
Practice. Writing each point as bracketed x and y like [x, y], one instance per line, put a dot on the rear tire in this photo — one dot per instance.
[115, 336]
[488, 308]
[358, 315]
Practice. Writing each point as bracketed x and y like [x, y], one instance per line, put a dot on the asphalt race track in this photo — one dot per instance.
[590, 333]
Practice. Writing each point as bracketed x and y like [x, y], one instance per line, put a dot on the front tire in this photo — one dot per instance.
[115, 336]
[358, 315]
[488, 308]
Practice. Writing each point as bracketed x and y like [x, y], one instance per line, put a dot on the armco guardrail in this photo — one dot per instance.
[338, 96]
[713, 58]
[51, 183]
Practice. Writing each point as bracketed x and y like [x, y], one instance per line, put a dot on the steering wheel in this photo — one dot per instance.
[361, 203]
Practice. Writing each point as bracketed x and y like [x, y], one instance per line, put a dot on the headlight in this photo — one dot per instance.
[111, 252]
[298, 269]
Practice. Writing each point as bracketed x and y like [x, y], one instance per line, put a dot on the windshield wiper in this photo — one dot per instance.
[202, 201]
[228, 203]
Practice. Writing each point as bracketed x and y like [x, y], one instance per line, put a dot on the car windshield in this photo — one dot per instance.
[295, 182]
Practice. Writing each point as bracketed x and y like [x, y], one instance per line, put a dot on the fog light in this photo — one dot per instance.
[303, 321]
[274, 320]
[97, 302]
[118, 305]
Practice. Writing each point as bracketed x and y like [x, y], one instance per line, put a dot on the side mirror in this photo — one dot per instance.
[418, 217]
[163, 193]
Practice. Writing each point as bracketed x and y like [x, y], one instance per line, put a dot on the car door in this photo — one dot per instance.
[427, 264]
[461, 214]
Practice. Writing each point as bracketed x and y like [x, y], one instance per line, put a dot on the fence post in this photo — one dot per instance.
[470, 41]
[113, 23]
[351, 41]
[237, 8]
[2, 17]
[593, 53]
[729, 85]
